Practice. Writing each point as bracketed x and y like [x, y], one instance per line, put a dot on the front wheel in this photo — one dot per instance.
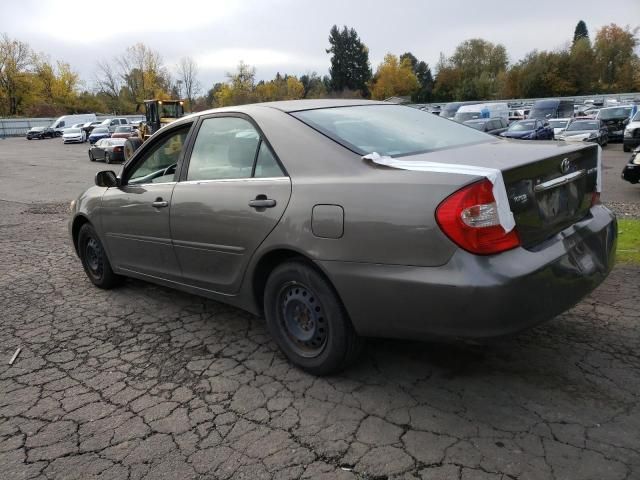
[94, 259]
[307, 320]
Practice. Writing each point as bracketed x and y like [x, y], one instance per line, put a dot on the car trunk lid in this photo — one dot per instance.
[550, 185]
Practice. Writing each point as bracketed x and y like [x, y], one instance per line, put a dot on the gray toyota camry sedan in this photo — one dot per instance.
[339, 220]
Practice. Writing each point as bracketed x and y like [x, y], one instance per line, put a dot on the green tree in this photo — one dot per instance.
[425, 78]
[350, 69]
[474, 69]
[580, 32]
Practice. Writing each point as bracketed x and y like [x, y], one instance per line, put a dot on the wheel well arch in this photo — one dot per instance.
[268, 262]
[77, 224]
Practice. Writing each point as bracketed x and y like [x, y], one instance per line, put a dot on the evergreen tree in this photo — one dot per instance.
[349, 61]
[580, 31]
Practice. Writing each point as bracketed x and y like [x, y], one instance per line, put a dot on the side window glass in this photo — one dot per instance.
[159, 164]
[224, 148]
[266, 164]
[61, 124]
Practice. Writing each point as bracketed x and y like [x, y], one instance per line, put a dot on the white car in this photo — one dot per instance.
[559, 125]
[73, 135]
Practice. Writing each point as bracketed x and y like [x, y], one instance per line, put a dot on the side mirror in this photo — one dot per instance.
[107, 178]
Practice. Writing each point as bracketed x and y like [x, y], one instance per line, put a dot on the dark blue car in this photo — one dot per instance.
[531, 129]
[99, 133]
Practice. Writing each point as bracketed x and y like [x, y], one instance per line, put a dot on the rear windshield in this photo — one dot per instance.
[577, 126]
[522, 126]
[619, 112]
[392, 130]
[558, 123]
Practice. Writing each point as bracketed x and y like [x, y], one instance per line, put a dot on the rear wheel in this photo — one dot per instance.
[94, 259]
[91, 157]
[130, 146]
[626, 148]
[307, 320]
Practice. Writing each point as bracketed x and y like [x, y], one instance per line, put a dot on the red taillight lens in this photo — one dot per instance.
[469, 217]
[595, 198]
[117, 149]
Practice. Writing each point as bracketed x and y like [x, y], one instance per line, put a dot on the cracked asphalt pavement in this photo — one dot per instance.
[143, 382]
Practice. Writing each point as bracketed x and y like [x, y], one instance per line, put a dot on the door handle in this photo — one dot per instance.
[159, 203]
[262, 203]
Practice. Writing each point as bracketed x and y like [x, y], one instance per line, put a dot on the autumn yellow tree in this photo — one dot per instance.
[393, 78]
[615, 59]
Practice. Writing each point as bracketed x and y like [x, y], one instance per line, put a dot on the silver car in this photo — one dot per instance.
[339, 220]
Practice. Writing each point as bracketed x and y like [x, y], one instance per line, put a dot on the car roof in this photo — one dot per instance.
[293, 105]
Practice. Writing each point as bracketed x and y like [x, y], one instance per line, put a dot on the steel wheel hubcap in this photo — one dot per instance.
[303, 320]
[93, 256]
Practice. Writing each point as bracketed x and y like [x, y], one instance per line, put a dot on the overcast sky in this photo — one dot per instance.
[290, 36]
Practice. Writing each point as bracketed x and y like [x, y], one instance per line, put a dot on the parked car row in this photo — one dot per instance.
[80, 128]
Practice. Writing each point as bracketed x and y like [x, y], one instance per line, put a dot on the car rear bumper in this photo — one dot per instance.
[631, 173]
[631, 142]
[479, 297]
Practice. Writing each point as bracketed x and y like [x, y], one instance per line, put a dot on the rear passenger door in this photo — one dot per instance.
[231, 194]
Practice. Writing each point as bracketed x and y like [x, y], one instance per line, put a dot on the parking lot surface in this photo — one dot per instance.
[145, 382]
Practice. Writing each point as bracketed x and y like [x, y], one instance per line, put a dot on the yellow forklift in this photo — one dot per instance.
[158, 114]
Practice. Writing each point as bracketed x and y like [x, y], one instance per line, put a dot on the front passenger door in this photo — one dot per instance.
[135, 216]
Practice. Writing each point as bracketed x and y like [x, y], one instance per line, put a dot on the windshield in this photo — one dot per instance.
[123, 129]
[100, 130]
[543, 113]
[391, 130]
[558, 123]
[73, 130]
[114, 141]
[576, 126]
[611, 113]
[636, 117]
[464, 116]
[522, 126]
[477, 124]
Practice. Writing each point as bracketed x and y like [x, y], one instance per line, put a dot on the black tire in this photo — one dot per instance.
[130, 146]
[625, 148]
[91, 159]
[308, 321]
[28, 138]
[94, 259]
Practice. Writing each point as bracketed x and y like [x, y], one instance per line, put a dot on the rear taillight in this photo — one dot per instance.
[595, 198]
[117, 149]
[469, 217]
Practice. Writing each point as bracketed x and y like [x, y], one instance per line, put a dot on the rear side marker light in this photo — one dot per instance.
[469, 217]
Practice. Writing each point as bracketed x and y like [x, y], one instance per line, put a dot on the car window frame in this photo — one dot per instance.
[150, 144]
[186, 160]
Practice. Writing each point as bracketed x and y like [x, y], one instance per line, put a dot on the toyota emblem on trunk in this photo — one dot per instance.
[565, 165]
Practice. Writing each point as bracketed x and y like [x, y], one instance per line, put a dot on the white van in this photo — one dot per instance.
[67, 121]
[482, 110]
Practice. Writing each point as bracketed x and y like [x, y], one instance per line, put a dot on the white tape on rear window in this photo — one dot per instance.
[505, 216]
